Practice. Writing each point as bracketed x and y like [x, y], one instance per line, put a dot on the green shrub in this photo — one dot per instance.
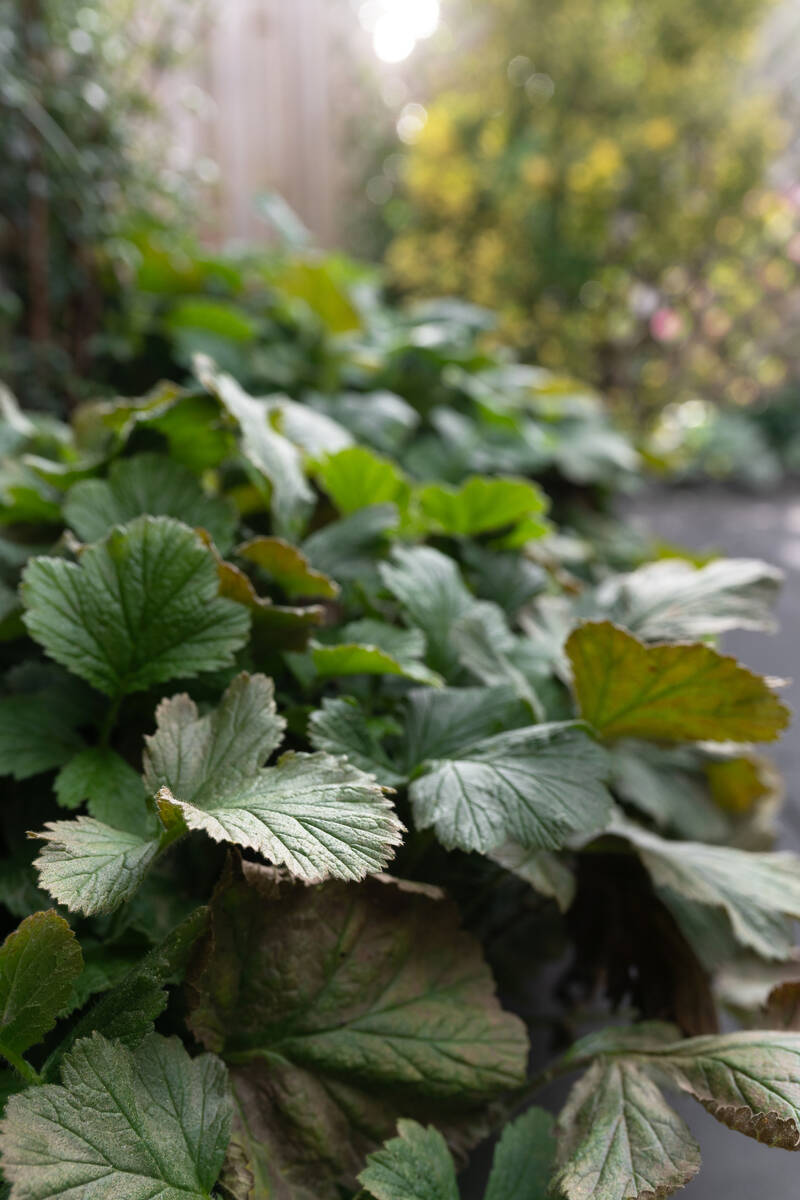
[597, 172]
[263, 652]
[84, 158]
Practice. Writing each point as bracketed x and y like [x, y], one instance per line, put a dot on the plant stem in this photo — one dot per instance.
[110, 720]
[23, 1068]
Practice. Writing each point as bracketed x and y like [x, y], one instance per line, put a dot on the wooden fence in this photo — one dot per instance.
[275, 73]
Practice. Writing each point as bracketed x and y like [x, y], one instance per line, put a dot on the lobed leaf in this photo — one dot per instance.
[756, 892]
[135, 1125]
[289, 567]
[140, 608]
[535, 786]
[149, 484]
[39, 964]
[357, 478]
[315, 814]
[482, 504]
[340, 1009]
[91, 867]
[750, 1081]
[668, 693]
[619, 1139]
[671, 599]
[416, 1165]
[201, 758]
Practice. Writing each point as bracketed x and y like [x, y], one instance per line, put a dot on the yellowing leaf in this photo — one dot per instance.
[668, 692]
[289, 567]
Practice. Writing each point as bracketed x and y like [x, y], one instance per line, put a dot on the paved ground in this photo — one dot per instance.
[745, 526]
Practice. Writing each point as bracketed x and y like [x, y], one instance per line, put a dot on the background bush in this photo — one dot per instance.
[597, 172]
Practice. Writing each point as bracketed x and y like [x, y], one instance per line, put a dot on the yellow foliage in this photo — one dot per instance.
[658, 133]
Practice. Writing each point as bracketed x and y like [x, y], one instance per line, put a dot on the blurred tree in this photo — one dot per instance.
[595, 170]
[76, 106]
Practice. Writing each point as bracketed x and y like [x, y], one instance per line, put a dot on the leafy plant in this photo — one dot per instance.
[84, 163]
[256, 653]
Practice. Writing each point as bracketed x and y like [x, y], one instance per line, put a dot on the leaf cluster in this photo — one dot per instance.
[251, 661]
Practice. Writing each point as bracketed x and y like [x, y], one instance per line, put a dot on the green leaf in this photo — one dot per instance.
[523, 1159]
[347, 549]
[416, 1165]
[113, 789]
[140, 608]
[668, 784]
[482, 504]
[190, 423]
[371, 647]
[491, 652]
[379, 419]
[542, 869]
[440, 723]
[273, 455]
[534, 786]
[756, 892]
[508, 579]
[223, 319]
[672, 599]
[317, 284]
[341, 1008]
[315, 814]
[314, 432]
[288, 567]
[128, 1009]
[619, 1139]
[429, 586]
[750, 1081]
[39, 963]
[35, 735]
[342, 727]
[356, 478]
[200, 758]
[91, 867]
[668, 693]
[147, 484]
[133, 1125]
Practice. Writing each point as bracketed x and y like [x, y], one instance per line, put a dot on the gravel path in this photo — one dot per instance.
[744, 526]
